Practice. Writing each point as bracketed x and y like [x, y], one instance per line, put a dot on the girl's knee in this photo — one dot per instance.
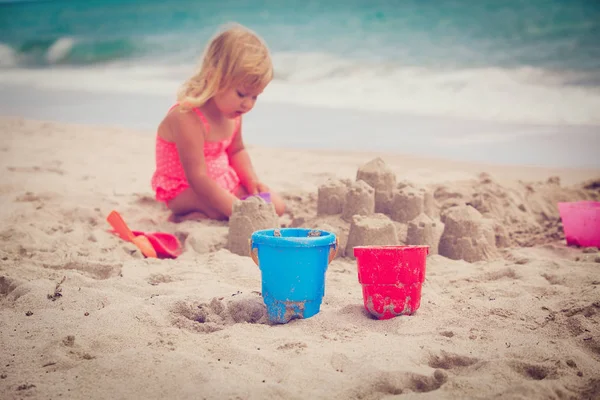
[280, 210]
[279, 205]
[188, 202]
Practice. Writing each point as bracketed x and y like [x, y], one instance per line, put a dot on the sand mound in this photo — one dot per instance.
[525, 214]
[218, 314]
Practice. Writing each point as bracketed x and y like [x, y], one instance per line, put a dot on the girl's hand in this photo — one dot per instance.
[255, 187]
[261, 187]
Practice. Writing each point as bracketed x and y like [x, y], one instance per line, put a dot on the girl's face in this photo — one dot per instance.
[236, 101]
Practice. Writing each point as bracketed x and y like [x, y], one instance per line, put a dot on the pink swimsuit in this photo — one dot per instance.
[169, 178]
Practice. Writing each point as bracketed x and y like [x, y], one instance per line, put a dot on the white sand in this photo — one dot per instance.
[523, 325]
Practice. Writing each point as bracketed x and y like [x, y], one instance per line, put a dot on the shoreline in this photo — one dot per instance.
[279, 125]
[409, 166]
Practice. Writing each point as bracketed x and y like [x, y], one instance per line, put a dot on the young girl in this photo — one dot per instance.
[201, 163]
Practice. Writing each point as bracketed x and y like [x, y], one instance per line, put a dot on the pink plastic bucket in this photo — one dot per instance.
[581, 222]
[391, 278]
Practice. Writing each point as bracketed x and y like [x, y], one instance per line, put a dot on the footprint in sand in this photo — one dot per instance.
[383, 384]
[64, 354]
[157, 279]
[12, 290]
[389, 383]
[7, 285]
[503, 273]
[554, 279]
[447, 334]
[581, 322]
[577, 324]
[534, 371]
[148, 201]
[423, 383]
[87, 216]
[340, 362]
[218, 314]
[94, 270]
[297, 347]
[447, 360]
[587, 311]
[144, 199]
[379, 384]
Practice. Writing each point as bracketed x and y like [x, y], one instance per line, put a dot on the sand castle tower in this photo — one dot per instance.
[331, 196]
[409, 202]
[381, 178]
[248, 216]
[360, 200]
[424, 230]
[376, 229]
[467, 235]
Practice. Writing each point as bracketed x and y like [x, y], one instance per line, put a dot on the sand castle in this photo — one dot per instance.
[467, 235]
[372, 230]
[332, 196]
[382, 179]
[409, 202]
[248, 216]
[425, 230]
[383, 211]
[377, 209]
[360, 200]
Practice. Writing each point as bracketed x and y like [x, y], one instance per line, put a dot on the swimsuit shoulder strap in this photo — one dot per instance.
[198, 113]
[202, 118]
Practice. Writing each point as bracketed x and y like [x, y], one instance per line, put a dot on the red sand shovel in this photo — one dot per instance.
[151, 244]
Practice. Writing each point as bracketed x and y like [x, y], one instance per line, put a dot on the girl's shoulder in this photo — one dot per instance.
[178, 122]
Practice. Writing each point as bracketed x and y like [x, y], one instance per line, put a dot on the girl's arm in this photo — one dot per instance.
[188, 133]
[240, 161]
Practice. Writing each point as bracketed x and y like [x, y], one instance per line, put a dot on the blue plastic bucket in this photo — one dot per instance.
[293, 263]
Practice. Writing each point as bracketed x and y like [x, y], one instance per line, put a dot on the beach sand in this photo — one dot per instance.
[84, 315]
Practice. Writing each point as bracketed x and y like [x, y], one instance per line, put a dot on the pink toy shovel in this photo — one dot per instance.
[151, 244]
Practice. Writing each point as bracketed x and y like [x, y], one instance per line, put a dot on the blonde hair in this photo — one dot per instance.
[235, 57]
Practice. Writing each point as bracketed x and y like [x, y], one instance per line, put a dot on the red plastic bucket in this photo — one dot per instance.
[581, 222]
[391, 278]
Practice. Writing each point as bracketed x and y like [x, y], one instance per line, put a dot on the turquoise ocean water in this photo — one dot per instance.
[501, 60]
